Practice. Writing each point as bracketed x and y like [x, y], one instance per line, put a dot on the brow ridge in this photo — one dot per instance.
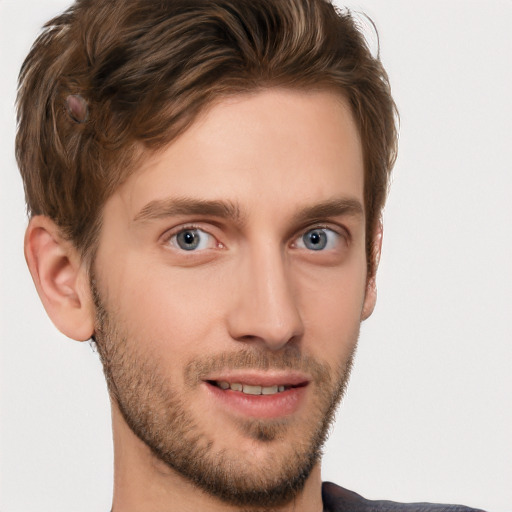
[331, 208]
[161, 208]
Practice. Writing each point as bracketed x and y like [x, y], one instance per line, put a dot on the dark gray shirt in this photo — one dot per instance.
[337, 499]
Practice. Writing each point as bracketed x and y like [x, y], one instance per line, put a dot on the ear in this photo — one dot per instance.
[60, 277]
[370, 297]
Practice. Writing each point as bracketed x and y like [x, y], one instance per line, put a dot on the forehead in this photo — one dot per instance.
[281, 148]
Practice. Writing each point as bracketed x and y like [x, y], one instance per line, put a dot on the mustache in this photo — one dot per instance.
[289, 358]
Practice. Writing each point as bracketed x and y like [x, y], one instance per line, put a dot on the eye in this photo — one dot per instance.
[318, 239]
[192, 239]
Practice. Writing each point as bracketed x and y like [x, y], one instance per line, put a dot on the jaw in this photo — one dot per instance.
[142, 481]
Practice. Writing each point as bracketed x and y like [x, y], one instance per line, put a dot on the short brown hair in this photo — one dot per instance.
[109, 76]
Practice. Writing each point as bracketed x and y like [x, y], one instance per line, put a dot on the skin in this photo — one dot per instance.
[252, 286]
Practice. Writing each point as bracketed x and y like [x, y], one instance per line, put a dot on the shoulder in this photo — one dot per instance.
[338, 499]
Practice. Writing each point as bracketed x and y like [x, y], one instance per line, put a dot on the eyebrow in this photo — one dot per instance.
[161, 208]
[330, 208]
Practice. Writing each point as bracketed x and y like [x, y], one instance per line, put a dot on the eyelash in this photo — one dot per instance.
[341, 232]
[187, 227]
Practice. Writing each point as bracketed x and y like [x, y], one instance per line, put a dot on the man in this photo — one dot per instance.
[205, 182]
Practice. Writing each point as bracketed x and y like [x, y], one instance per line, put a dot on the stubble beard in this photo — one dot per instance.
[158, 415]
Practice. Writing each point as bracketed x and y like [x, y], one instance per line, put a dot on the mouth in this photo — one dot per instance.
[250, 389]
[258, 395]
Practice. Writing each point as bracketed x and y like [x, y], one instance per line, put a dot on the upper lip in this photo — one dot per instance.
[258, 378]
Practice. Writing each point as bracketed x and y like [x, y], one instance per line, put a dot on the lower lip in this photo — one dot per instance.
[259, 406]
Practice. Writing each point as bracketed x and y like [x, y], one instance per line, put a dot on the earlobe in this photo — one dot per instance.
[370, 297]
[60, 278]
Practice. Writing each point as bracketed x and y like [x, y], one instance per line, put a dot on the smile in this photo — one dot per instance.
[250, 389]
[258, 394]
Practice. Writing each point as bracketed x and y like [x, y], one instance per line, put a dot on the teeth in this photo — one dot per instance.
[251, 390]
[271, 390]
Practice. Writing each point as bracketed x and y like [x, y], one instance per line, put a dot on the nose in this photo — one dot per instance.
[265, 308]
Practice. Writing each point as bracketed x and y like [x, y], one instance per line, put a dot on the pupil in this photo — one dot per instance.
[189, 238]
[315, 238]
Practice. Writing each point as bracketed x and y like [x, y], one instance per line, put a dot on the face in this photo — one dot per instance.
[230, 284]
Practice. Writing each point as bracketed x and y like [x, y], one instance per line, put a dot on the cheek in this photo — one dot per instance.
[331, 309]
[166, 307]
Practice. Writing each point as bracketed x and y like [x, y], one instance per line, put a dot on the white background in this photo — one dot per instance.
[428, 416]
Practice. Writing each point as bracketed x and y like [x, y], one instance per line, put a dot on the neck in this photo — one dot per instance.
[144, 483]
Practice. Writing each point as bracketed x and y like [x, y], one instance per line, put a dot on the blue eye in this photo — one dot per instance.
[318, 239]
[192, 239]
